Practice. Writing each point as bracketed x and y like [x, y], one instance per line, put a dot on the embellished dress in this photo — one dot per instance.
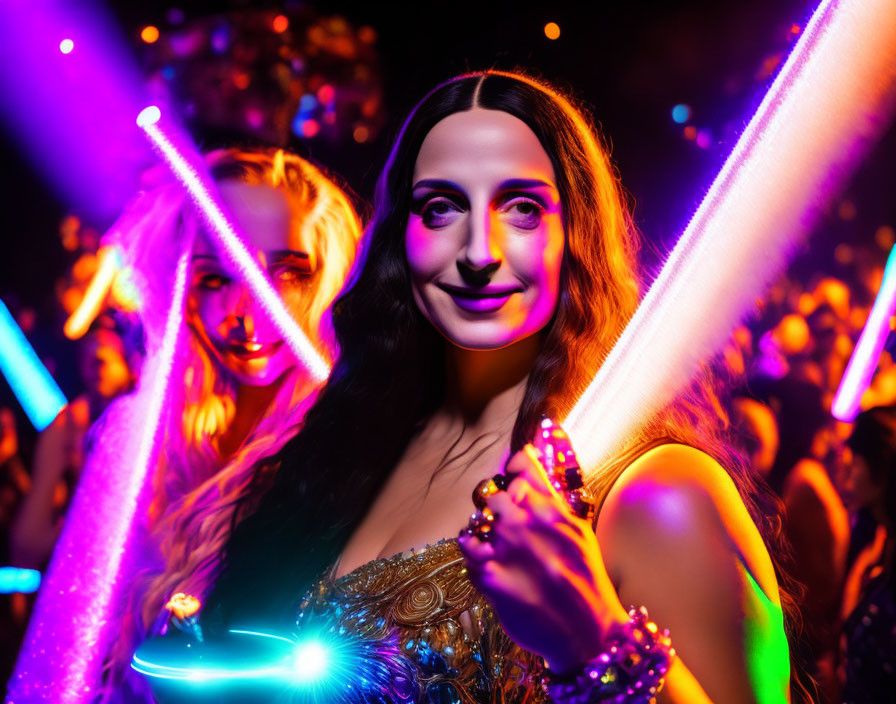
[407, 629]
[427, 625]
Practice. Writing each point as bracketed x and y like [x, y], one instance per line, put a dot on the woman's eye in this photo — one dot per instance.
[524, 214]
[439, 213]
[213, 282]
[288, 275]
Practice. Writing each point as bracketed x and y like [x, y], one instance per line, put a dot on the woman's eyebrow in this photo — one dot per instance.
[278, 255]
[437, 184]
[526, 183]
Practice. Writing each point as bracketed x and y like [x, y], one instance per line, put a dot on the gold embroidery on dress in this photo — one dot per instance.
[445, 630]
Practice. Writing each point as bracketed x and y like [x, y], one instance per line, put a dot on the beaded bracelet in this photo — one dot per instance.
[630, 671]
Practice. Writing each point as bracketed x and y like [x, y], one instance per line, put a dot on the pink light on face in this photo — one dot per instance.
[864, 358]
[233, 245]
[830, 99]
[78, 610]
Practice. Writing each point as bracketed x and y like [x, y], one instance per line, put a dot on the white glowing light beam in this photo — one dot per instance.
[830, 100]
[225, 232]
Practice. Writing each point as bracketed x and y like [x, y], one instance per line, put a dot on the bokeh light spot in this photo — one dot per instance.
[690, 133]
[281, 23]
[552, 30]
[150, 34]
[66, 46]
[361, 134]
[846, 210]
[704, 139]
[326, 94]
[367, 34]
[681, 113]
[310, 128]
[885, 236]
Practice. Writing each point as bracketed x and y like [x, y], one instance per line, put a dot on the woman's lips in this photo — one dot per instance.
[251, 350]
[479, 300]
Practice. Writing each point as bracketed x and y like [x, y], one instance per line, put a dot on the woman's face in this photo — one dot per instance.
[221, 309]
[863, 490]
[485, 234]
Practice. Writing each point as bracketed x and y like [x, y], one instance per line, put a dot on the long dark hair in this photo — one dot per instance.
[390, 376]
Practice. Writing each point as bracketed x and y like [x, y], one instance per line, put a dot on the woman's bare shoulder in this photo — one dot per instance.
[676, 503]
[677, 538]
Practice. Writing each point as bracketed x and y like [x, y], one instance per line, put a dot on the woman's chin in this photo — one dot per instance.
[260, 372]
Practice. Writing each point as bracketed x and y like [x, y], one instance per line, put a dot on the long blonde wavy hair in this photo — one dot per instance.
[195, 490]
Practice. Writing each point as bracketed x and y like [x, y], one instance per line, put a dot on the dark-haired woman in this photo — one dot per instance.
[498, 274]
[870, 598]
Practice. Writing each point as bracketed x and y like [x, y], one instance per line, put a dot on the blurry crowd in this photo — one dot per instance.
[835, 479]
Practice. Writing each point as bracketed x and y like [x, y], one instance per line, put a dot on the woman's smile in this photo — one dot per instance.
[480, 300]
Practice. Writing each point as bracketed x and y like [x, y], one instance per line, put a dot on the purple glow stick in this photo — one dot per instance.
[863, 361]
[202, 191]
[830, 99]
[78, 609]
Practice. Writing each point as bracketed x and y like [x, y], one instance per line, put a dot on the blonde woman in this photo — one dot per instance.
[242, 391]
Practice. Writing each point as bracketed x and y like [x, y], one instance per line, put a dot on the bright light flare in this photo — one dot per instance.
[37, 392]
[311, 661]
[92, 303]
[234, 246]
[863, 362]
[66, 46]
[320, 663]
[830, 100]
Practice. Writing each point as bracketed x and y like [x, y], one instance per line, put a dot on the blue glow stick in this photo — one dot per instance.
[19, 580]
[40, 396]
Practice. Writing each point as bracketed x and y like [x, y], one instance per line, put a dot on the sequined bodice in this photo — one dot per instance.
[428, 635]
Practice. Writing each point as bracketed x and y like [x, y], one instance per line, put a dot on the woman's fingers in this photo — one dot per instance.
[528, 463]
[475, 551]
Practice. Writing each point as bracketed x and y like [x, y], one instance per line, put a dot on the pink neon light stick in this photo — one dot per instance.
[201, 191]
[871, 342]
[78, 608]
[831, 98]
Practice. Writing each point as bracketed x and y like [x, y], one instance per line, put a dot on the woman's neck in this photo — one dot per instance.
[250, 404]
[485, 387]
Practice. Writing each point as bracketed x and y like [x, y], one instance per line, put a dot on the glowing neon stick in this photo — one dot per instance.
[18, 580]
[871, 342]
[95, 559]
[79, 321]
[830, 99]
[40, 396]
[201, 191]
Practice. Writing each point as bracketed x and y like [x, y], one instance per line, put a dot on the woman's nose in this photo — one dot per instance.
[481, 256]
[239, 321]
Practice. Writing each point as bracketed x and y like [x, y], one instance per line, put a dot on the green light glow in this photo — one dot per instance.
[768, 655]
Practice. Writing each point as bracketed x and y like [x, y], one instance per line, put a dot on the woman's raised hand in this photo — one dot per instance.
[541, 568]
